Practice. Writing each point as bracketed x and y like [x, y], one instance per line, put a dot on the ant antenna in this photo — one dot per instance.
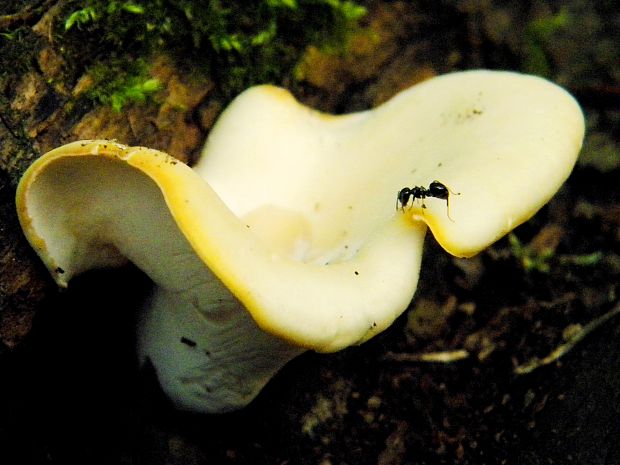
[450, 192]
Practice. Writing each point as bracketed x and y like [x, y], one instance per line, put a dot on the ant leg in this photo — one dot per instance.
[422, 207]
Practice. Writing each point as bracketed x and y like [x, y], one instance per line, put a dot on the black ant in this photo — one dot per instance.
[435, 189]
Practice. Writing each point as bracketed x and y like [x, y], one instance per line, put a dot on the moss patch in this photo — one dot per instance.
[239, 43]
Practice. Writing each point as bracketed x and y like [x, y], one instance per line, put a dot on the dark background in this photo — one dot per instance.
[70, 391]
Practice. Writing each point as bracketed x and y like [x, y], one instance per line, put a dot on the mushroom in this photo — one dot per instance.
[285, 236]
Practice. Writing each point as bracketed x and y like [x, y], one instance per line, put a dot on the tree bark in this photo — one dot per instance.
[40, 109]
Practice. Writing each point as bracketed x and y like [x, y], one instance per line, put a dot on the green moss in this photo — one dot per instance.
[238, 43]
[539, 37]
[530, 258]
[116, 85]
[601, 149]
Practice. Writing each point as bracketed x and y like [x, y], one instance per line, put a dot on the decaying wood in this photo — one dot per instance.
[38, 113]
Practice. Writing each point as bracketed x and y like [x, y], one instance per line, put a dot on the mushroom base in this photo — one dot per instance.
[208, 366]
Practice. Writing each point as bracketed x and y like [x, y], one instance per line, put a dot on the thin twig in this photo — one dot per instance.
[25, 15]
[567, 346]
[429, 357]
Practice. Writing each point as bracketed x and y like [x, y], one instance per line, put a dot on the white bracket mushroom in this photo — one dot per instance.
[285, 236]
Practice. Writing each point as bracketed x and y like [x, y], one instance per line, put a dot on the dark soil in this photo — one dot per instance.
[74, 394]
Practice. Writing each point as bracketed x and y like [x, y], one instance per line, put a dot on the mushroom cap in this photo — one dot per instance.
[90, 204]
[293, 211]
[503, 141]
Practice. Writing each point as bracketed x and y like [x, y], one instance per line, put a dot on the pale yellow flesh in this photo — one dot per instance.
[113, 204]
[504, 141]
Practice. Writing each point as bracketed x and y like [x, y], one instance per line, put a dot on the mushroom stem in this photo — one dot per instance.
[205, 361]
[208, 352]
